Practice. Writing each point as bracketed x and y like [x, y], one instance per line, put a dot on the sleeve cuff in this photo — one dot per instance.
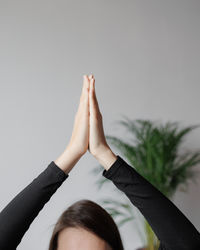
[57, 171]
[113, 168]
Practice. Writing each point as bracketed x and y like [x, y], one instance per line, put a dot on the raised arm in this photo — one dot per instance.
[17, 216]
[171, 226]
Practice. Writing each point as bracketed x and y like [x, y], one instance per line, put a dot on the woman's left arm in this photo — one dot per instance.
[170, 225]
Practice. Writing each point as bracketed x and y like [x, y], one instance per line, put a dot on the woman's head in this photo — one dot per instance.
[85, 225]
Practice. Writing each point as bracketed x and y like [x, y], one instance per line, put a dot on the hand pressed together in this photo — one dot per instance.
[88, 132]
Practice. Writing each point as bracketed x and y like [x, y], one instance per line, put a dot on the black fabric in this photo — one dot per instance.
[171, 226]
[17, 216]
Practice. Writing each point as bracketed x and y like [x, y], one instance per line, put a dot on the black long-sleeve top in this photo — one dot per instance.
[172, 228]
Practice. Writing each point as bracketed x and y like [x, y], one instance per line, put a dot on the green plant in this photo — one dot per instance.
[154, 151]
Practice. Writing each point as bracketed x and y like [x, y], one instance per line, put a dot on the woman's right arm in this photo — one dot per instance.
[17, 216]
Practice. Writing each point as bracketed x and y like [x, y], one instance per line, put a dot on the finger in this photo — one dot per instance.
[94, 95]
[85, 90]
[91, 76]
[91, 100]
[94, 107]
[86, 85]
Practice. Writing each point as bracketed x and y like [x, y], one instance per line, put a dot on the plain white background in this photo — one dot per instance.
[145, 56]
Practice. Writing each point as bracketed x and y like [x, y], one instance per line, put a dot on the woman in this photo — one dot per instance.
[85, 225]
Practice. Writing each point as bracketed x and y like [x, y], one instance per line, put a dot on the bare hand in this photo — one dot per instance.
[88, 133]
[80, 135]
[97, 141]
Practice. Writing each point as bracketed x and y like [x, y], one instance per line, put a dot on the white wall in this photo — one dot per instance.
[145, 56]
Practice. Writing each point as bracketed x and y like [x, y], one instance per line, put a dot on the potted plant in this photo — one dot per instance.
[154, 152]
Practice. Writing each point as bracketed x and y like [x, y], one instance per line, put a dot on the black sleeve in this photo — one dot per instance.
[16, 217]
[171, 226]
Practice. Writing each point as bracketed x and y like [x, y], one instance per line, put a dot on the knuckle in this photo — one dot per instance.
[96, 117]
[100, 117]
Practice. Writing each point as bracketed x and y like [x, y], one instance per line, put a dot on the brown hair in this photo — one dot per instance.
[90, 216]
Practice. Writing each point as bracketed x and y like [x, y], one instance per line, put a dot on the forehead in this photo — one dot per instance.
[80, 239]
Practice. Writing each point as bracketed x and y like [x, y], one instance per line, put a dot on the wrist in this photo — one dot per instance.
[67, 159]
[106, 157]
